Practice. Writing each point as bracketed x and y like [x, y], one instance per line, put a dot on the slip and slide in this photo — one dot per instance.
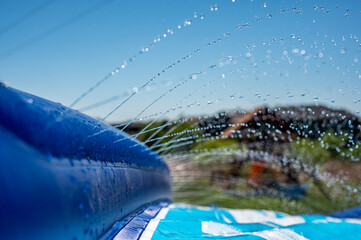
[63, 177]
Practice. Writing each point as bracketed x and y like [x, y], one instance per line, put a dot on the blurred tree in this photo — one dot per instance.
[216, 150]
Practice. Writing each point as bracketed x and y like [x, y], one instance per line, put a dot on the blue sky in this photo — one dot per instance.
[304, 54]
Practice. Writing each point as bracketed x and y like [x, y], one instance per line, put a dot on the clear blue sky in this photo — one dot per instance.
[59, 49]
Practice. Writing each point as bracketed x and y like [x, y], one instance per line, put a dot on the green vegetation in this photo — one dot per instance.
[221, 158]
[224, 150]
[330, 146]
[201, 193]
[164, 133]
[322, 196]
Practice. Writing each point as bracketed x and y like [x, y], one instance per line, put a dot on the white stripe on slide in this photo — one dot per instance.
[153, 224]
[279, 233]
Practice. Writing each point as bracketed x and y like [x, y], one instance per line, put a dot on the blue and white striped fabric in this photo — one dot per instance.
[190, 222]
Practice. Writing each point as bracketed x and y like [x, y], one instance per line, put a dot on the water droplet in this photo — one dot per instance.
[187, 22]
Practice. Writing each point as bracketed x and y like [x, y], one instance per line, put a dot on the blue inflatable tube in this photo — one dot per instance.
[63, 177]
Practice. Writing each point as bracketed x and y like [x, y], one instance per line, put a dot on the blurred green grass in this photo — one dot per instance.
[201, 193]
